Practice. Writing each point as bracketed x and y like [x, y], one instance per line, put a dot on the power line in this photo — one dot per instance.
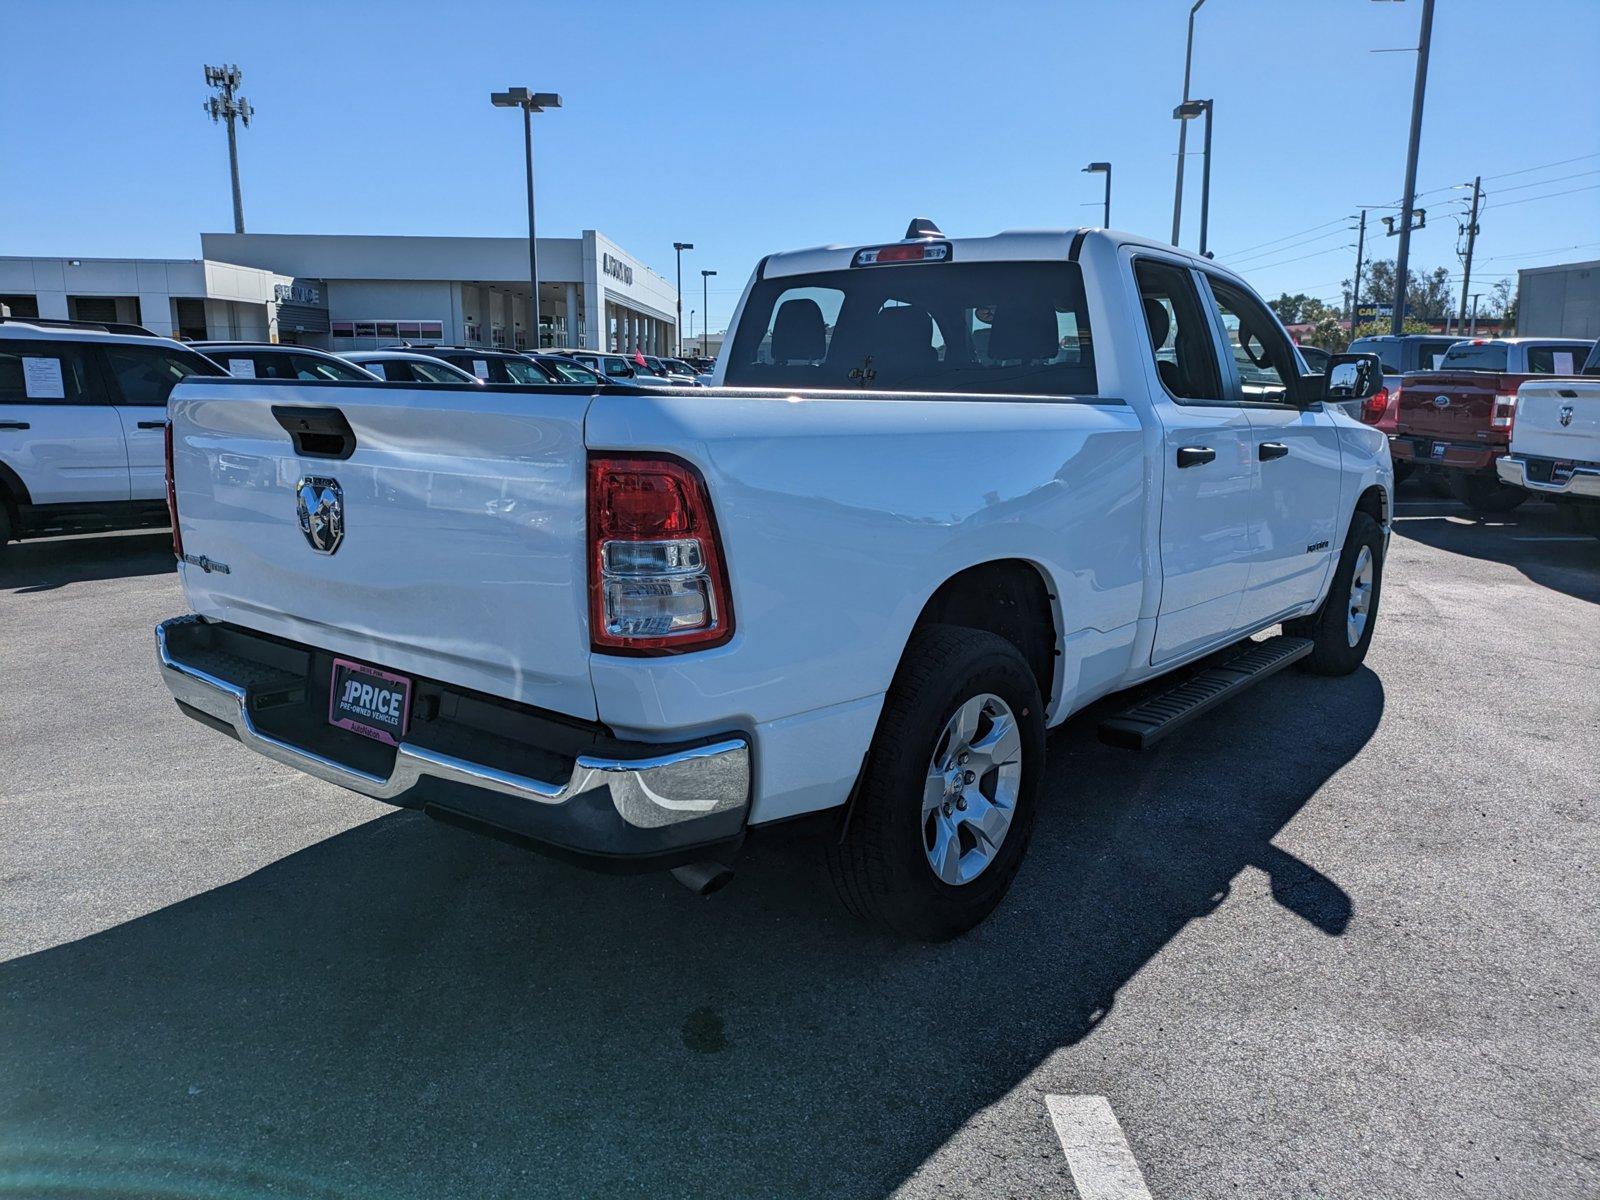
[1551, 195]
[1517, 187]
[1538, 253]
[1238, 258]
[1315, 254]
[1285, 237]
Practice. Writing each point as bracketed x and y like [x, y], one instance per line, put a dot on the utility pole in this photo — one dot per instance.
[1472, 237]
[1474, 332]
[678, 249]
[229, 107]
[1418, 88]
[1355, 291]
[1183, 126]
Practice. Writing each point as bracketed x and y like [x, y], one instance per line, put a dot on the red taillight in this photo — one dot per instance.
[1372, 411]
[657, 580]
[172, 498]
[1505, 411]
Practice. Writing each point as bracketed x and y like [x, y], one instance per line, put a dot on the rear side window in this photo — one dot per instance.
[146, 375]
[1180, 337]
[1591, 365]
[1554, 360]
[1388, 353]
[1475, 356]
[36, 372]
[984, 328]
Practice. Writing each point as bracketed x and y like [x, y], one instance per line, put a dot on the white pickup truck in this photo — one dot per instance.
[946, 492]
[1555, 441]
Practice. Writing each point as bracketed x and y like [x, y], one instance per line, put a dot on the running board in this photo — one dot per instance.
[1147, 722]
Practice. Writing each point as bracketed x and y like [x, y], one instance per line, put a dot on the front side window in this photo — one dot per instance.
[1262, 355]
[37, 372]
[1474, 356]
[146, 375]
[571, 372]
[1555, 360]
[516, 370]
[1180, 336]
[993, 328]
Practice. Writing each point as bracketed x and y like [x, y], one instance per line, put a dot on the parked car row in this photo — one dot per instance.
[83, 406]
[1450, 407]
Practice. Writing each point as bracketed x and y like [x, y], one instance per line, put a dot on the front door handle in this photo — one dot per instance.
[152, 424]
[14, 425]
[1194, 456]
[1271, 450]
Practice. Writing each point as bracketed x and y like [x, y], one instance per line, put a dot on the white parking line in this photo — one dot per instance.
[1554, 537]
[1098, 1154]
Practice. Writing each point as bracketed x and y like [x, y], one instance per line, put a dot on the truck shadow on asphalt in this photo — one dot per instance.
[1543, 541]
[50, 563]
[408, 1010]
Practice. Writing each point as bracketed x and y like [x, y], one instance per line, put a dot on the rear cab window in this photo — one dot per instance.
[1475, 356]
[1388, 353]
[994, 328]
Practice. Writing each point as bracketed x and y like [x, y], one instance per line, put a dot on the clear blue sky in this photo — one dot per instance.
[756, 126]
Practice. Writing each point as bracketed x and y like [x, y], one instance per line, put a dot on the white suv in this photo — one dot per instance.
[83, 414]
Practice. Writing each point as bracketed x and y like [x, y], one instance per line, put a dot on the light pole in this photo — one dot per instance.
[705, 321]
[691, 329]
[1419, 85]
[529, 103]
[229, 107]
[1102, 169]
[1184, 113]
[1183, 130]
[680, 247]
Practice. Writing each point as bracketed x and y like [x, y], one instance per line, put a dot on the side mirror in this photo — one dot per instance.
[1353, 377]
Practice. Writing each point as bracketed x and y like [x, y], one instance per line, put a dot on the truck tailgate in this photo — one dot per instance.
[1469, 397]
[1540, 430]
[462, 555]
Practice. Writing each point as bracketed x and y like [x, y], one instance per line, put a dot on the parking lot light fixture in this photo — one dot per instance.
[1185, 112]
[529, 103]
[1188, 59]
[1102, 168]
[680, 247]
[705, 321]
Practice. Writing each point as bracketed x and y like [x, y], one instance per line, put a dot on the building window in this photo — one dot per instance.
[190, 318]
[386, 330]
[21, 306]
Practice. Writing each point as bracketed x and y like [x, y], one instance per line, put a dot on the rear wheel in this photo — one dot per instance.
[7, 528]
[1485, 493]
[1341, 630]
[946, 803]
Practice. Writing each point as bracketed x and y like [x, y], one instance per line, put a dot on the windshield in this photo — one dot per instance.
[1474, 356]
[991, 328]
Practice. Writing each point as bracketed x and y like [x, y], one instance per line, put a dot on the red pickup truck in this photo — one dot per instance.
[1458, 418]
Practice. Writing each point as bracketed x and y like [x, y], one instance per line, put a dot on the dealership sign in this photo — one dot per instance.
[296, 293]
[616, 268]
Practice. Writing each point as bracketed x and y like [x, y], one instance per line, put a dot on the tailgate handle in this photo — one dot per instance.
[317, 432]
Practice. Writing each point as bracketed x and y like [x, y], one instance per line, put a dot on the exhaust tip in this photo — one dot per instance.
[703, 878]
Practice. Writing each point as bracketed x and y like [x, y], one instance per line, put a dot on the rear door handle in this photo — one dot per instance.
[14, 425]
[152, 424]
[1271, 450]
[1194, 456]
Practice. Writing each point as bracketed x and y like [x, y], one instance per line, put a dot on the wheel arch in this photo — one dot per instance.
[13, 495]
[1009, 597]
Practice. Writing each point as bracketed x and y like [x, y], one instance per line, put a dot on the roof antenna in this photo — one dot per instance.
[921, 227]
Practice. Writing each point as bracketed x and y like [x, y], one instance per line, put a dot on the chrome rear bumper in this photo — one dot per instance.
[704, 785]
[1584, 480]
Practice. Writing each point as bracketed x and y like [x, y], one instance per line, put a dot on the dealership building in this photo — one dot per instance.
[344, 292]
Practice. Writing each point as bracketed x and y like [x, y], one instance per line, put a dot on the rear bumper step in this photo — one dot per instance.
[1147, 722]
[653, 805]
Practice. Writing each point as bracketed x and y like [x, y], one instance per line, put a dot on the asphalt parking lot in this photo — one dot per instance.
[1339, 938]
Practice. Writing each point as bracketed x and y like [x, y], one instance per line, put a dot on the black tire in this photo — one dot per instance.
[880, 866]
[1485, 493]
[1402, 472]
[1328, 629]
[7, 529]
